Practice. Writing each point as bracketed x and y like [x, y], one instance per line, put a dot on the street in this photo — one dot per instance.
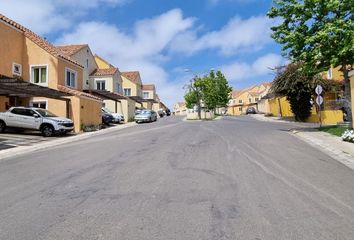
[235, 178]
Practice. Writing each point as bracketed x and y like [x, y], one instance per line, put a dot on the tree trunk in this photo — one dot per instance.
[199, 111]
[347, 95]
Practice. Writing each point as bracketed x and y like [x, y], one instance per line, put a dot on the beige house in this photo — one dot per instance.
[180, 109]
[150, 97]
[106, 82]
[243, 99]
[27, 56]
[83, 55]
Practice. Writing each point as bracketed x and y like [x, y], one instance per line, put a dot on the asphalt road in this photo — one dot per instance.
[236, 178]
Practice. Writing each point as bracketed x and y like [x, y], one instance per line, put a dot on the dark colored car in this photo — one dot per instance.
[168, 112]
[107, 118]
[161, 113]
[251, 110]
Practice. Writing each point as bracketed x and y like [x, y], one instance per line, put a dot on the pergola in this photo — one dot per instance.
[13, 87]
[107, 95]
[141, 100]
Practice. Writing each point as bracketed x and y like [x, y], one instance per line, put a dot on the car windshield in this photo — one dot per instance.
[145, 112]
[106, 110]
[45, 113]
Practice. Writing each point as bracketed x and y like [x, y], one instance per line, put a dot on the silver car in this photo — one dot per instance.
[146, 116]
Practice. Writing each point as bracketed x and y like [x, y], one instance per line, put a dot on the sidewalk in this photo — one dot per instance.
[332, 145]
[21, 150]
[261, 117]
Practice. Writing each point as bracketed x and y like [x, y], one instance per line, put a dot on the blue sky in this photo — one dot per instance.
[162, 38]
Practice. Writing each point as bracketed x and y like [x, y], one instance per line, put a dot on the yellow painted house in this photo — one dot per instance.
[132, 87]
[249, 97]
[25, 55]
[331, 112]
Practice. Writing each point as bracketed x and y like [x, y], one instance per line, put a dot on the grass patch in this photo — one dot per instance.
[334, 130]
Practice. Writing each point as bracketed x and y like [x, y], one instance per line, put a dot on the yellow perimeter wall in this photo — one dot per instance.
[281, 104]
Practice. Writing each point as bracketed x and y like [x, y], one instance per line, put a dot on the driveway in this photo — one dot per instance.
[236, 178]
[12, 139]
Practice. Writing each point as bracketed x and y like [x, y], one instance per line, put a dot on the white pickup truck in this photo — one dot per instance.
[35, 119]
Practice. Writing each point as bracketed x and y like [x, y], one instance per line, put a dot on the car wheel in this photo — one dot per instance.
[2, 126]
[47, 131]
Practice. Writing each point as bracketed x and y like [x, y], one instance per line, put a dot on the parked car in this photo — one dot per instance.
[138, 111]
[117, 117]
[146, 116]
[107, 118]
[168, 112]
[35, 119]
[161, 113]
[251, 110]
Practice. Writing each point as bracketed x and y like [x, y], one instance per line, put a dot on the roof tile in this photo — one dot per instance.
[41, 42]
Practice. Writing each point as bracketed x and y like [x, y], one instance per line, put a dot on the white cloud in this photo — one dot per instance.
[141, 49]
[149, 44]
[240, 71]
[50, 15]
[237, 35]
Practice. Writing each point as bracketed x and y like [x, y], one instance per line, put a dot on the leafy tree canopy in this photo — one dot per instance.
[318, 33]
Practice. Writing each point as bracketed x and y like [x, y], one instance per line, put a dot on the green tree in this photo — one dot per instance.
[215, 90]
[223, 90]
[193, 97]
[212, 90]
[317, 33]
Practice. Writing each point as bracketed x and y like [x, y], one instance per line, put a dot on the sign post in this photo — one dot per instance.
[319, 101]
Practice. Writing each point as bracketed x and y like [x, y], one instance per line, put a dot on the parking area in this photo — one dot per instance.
[12, 139]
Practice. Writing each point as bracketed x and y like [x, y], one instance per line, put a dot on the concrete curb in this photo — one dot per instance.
[330, 149]
[21, 150]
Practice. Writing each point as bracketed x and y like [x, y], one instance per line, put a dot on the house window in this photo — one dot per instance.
[39, 75]
[146, 95]
[250, 100]
[329, 74]
[256, 99]
[240, 101]
[17, 69]
[118, 87]
[70, 77]
[240, 109]
[101, 85]
[42, 104]
[87, 63]
[127, 91]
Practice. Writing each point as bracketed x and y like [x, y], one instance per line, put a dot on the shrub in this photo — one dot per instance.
[348, 136]
[89, 128]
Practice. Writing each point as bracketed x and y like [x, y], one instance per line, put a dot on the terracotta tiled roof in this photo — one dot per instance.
[236, 93]
[254, 93]
[71, 49]
[181, 104]
[132, 76]
[150, 87]
[104, 72]
[77, 92]
[41, 42]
